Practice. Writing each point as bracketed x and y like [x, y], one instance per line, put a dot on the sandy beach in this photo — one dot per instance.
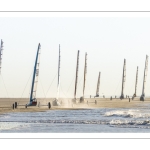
[89, 103]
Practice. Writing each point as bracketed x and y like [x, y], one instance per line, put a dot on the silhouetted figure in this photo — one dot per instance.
[95, 102]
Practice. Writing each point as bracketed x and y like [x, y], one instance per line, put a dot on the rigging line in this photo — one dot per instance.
[112, 82]
[79, 85]
[29, 90]
[141, 81]
[50, 85]
[131, 89]
[81, 78]
[70, 85]
[42, 86]
[89, 86]
[117, 86]
[63, 91]
[80, 82]
[26, 85]
[5, 86]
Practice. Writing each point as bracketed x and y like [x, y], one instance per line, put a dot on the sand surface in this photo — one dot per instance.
[89, 103]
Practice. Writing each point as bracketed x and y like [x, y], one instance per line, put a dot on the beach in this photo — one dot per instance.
[106, 116]
[89, 103]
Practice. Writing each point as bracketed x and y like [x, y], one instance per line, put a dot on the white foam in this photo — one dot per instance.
[128, 113]
[129, 122]
[8, 125]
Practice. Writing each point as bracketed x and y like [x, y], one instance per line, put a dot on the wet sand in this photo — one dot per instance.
[89, 103]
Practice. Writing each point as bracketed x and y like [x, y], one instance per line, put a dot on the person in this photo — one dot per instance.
[39, 104]
[95, 102]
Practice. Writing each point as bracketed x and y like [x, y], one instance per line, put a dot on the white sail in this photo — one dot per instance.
[58, 84]
[98, 85]
[85, 72]
[33, 101]
[142, 98]
[55, 101]
[76, 81]
[134, 95]
[123, 80]
[1, 52]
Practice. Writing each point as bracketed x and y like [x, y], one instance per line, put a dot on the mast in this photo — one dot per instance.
[35, 76]
[142, 98]
[134, 95]
[1, 52]
[58, 84]
[123, 80]
[76, 75]
[85, 72]
[98, 84]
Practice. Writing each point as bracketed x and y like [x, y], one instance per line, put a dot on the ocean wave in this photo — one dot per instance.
[130, 126]
[9, 125]
[64, 121]
[130, 122]
[106, 122]
[128, 114]
[118, 123]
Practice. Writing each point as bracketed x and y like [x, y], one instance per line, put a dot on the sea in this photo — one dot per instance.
[100, 120]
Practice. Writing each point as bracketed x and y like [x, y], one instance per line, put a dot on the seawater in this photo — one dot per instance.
[102, 120]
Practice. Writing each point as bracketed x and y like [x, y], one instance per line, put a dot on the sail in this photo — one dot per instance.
[76, 75]
[123, 80]
[1, 52]
[85, 72]
[144, 79]
[98, 84]
[35, 75]
[58, 84]
[136, 82]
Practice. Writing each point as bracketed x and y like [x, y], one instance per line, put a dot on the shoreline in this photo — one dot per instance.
[5, 105]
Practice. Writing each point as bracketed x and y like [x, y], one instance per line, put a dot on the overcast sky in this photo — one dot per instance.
[107, 41]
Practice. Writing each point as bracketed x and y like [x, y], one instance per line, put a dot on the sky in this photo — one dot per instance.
[107, 41]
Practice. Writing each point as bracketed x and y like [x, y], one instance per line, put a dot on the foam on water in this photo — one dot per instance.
[130, 122]
[128, 113]
[9, 125]
[90, 120]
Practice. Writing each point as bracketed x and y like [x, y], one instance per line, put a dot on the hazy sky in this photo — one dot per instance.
[107, 42]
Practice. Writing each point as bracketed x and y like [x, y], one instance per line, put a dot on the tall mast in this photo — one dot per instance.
[1, 52]
[85, 72]
[142, 98]
[98, 84]
[136, 82]
[123, 80]
[58, 85]
[76, 75]
[35, 75]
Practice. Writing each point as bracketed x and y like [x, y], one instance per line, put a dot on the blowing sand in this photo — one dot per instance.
[89, 103]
